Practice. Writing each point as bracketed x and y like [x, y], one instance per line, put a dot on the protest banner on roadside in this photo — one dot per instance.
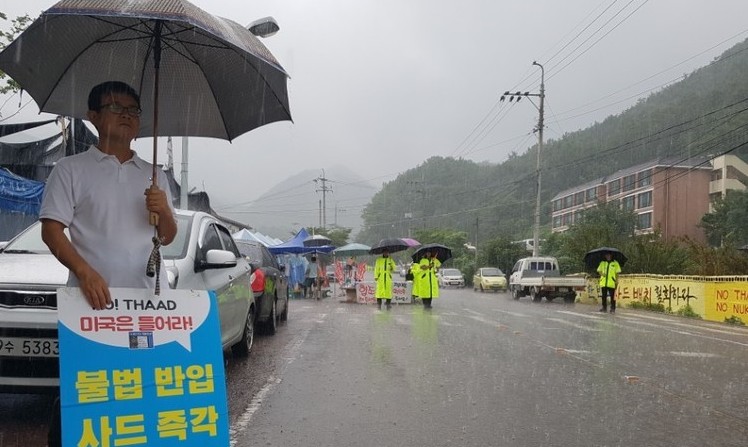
[146, 371]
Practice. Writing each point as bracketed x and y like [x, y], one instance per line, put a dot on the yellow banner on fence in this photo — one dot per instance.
[714, 298]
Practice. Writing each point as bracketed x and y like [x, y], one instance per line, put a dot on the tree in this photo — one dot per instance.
[605, 225]
[726, 225]
[17, 25]
[500, 252]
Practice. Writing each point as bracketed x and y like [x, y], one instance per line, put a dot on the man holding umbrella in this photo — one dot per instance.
[608, 269]
[428, 285]
[98, 195]
[383, 269]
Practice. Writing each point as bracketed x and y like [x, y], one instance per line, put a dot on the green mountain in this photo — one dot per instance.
[703, 114]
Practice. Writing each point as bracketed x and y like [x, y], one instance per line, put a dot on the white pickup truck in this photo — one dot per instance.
[540, 277]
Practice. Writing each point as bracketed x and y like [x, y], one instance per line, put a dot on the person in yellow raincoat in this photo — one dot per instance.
[428, 285]
[415, 270]
[383, 275]
[608, 269]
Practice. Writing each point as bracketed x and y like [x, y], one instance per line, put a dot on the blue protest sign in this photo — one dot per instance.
[146, 371]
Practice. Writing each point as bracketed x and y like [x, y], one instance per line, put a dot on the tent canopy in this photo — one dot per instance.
[293, 245]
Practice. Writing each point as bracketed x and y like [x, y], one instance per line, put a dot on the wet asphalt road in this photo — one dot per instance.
[477, 370]
[482, 369]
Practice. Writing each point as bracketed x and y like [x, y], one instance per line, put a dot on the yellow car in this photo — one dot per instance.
[489, 278]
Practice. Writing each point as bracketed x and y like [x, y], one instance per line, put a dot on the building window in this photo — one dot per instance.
[614, 187]
[645, 178]
[556, 221]
[566, 219]
[615, 203]
[568, 201]
[557, 205]
[628, 203]
[591, 194]
[579, 198]
[645, 199]
[629, 182]
[645, 221]
[578, 216]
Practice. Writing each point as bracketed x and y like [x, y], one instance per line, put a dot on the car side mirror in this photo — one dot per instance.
[216, 259]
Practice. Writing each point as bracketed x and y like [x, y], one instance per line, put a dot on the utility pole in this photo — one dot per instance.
[324, 189]
[476, 242]
[541, 95]
[417, 187]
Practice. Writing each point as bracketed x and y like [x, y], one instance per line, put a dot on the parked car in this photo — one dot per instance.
[269, 285]
[489, 278]
[202, 256]
[450, 277]
[539, 277]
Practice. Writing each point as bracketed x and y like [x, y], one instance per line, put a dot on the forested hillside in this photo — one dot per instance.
[703, 114]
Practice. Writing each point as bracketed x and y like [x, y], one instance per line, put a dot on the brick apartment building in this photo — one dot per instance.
[670, 194]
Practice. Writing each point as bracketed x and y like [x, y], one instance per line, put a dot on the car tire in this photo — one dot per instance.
[244, 347]
[271, 324]
[284, 314]
[515, 294]
[481, 289]
[535, 295]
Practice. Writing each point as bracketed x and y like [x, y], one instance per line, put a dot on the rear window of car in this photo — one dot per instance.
[451, 272]
[253, 252]
[492, 272]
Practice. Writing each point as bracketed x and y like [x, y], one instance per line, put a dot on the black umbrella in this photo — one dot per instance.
[391, 244]
[317, 240]
[593, 257]
[441, 252]
[204, 75]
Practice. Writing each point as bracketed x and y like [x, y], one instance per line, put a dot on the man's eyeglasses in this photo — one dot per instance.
[120, 109]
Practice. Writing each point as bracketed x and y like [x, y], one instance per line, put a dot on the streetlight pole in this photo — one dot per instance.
[541, 95]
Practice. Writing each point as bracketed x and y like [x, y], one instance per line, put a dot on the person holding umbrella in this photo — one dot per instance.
[383, 269]
[608, 269]
[98, 195]
[427, 284]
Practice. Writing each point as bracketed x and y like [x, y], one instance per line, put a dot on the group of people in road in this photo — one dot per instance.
[425, 283]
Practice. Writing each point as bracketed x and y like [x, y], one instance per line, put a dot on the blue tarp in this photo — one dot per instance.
[20, 195]
[293, 245]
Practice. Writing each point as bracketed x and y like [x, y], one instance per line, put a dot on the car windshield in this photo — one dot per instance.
[178, 247]
[451, 272]
[492, 272]
[30, 241]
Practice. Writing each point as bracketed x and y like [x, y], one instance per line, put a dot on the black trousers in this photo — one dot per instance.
[612, 292]
[387, 302]
[54, 435]
[426, 302]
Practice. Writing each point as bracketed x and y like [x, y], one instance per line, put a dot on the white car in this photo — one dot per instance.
[451, 277]
[202, 256]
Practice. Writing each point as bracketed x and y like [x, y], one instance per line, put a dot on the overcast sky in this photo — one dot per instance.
[382, 85]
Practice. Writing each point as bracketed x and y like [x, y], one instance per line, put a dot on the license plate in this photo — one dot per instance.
[28, 347]
[563, 289]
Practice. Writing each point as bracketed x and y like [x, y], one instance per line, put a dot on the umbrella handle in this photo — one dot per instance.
[153, 216]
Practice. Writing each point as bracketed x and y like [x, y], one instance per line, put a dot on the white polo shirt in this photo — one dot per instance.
[102, 202]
